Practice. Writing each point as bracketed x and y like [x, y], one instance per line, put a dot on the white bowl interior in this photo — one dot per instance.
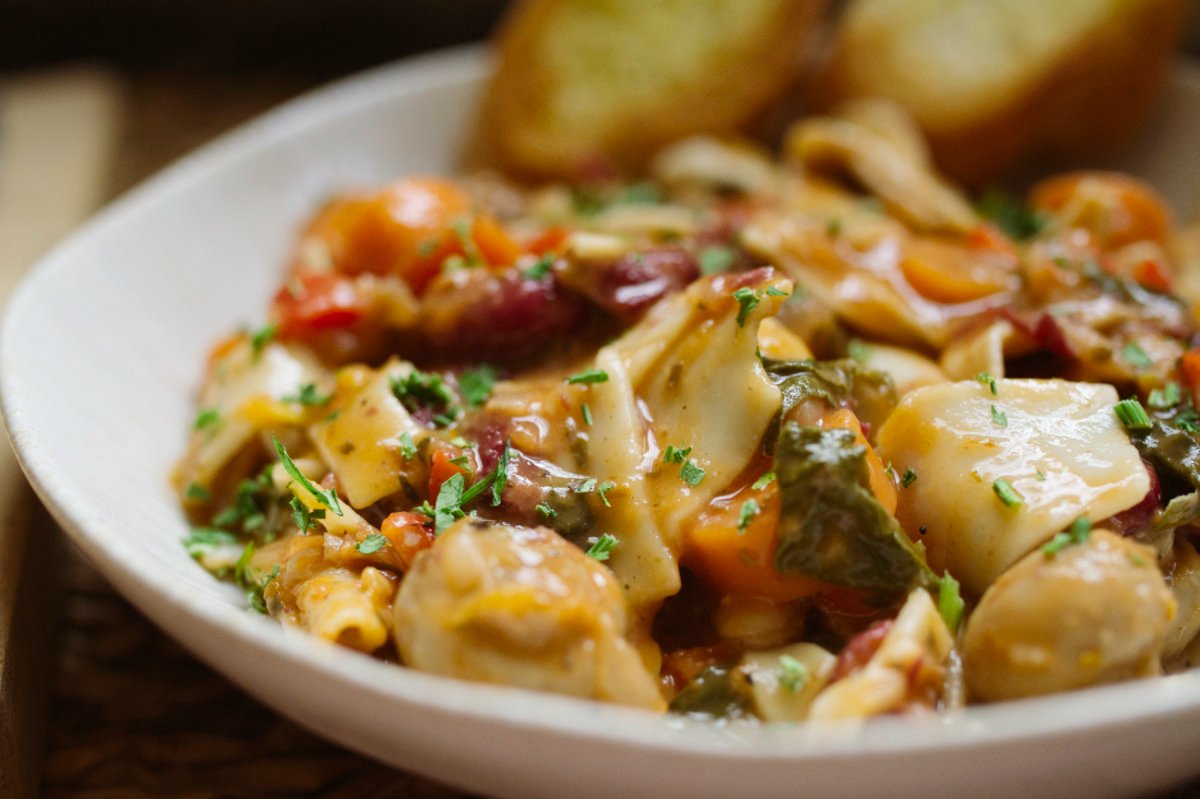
[100, 354]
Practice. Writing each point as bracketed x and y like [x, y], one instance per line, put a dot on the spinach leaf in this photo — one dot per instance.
[711, 695]
[869, 393]
[831, 528]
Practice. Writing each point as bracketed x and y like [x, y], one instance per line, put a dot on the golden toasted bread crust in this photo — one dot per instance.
[728, 63]
[1103, 78]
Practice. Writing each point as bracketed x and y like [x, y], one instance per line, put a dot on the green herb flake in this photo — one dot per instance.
[764, 481]
[691, 474]
[859, 350]
[540, 268]
[910, 477]
[261, 338]
[603, 547]
[674, 454]
[1168, 396]
[833, 227]
[1131, 414]
[197, 493]
[586, 410]
[303, 517]
[999, 417]
[586, 487]
[602, 491]
[1011, 215]
[748, 299]
[500, 475]
[476, 384]
[207, 419]
[545, 511]
[326, 496]
[372, 544]
[408, 448]
[1078, 533]
[1137, 356]
[1188, 421]
[750, 509]
[715, 259]
[984, 377]
[950, 602]
[1006, 493]
[588, 377]
[420, 389]
[1040, 475]
[793, 675]
[203, 540]
[308, 395]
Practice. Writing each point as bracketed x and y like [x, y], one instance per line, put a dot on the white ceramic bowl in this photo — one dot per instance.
[100, 353]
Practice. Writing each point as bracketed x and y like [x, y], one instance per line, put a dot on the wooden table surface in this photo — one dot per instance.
[131, 714]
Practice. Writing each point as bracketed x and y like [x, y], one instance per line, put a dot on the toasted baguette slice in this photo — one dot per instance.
[991, 81]
[581, 82]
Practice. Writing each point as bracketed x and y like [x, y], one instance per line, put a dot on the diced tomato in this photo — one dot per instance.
[409, 534]
[1189, 367]
[550, 240]
[989, 237]
[1153, 275]
[442, 469]
[313, 302]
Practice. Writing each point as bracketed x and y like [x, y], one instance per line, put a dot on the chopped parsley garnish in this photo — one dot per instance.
[408, 448]
[984, 377]
[715, 259]
[540, 268]
[691, 474]
[203, 540]
[208, 418]
[1006, 493]
[673, 454]
[1078, 533]
[500, 475]
[308, 395]
[999, 417]
[586, 410]
[1040, 475]
[1188, 421]
[603, 547]
[763, 481]
[909, 478]
[454, 494]
[859, 350]
[1166, 397]
[792, 673]
[1132, 414]
[372, 543]
[750, 509]
[950, 602]
[1137, 356]
[588, 377]
[586, 487]
[248, 579]
[545, 511]
[748, 299]
[303, 517]
[197, 493]
[602, 491]
[421, 389]
[260, 338]
[326, 496]
[462, 231]
[1011, 215]
[476, 384]
[252, 500]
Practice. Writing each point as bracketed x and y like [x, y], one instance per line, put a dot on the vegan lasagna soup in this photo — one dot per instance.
[806, 438]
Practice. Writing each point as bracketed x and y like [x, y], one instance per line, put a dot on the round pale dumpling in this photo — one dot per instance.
[520, 606]
[1091, 613]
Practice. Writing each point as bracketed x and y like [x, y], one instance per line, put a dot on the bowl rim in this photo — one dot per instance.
[135, 574]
